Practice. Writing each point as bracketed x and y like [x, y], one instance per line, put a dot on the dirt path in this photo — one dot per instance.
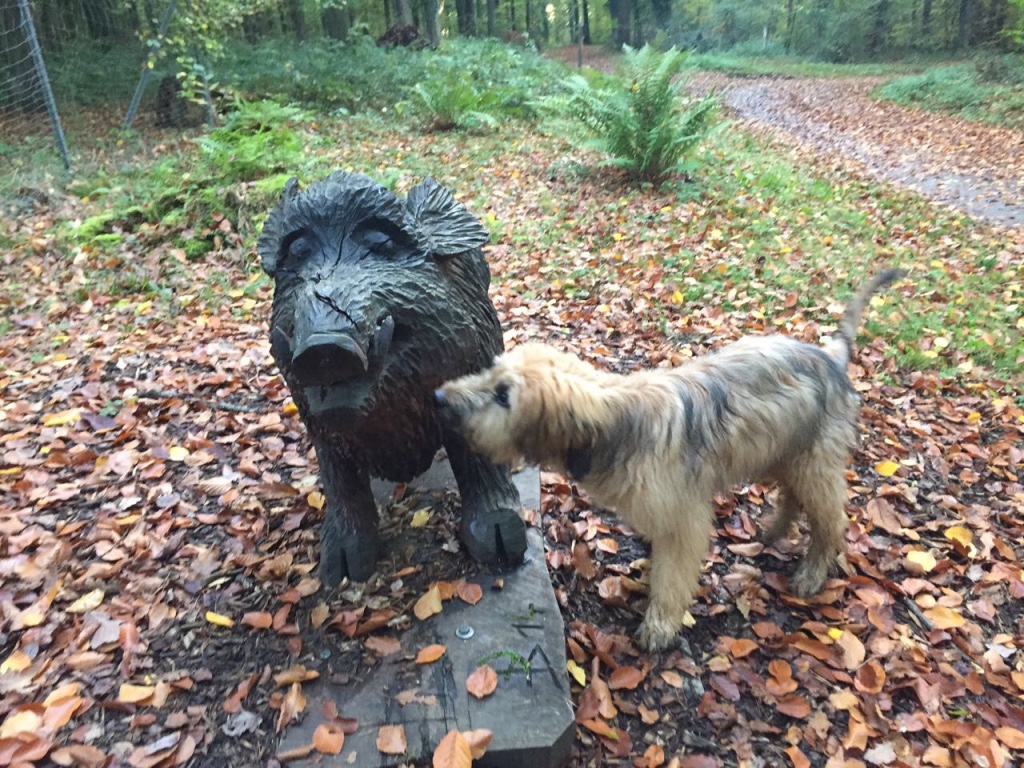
[974, 167]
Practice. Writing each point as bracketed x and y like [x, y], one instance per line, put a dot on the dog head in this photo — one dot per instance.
[525, 405]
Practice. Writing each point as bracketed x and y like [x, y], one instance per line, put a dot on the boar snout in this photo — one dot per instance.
[328, 357]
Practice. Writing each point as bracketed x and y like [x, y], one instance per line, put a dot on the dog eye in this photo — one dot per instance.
[501, 395]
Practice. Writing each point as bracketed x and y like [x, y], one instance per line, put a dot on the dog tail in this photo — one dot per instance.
[842, 342]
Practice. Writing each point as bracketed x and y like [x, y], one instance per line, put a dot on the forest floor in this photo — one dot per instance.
[158, 495]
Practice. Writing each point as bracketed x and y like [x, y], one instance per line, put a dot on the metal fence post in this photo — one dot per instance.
[165, 22]
[44, 81]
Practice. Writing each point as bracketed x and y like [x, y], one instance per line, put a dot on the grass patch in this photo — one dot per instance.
[987, 91]
[754, 66]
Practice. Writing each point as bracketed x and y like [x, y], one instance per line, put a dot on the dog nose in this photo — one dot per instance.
[440, 399]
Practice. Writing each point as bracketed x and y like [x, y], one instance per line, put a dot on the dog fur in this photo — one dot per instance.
[657, 445]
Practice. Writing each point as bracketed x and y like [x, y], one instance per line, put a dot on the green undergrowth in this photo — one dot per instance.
[990, 90]
[754, 66]
[762, 236]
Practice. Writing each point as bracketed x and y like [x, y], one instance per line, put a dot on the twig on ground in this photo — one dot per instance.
[213, 405]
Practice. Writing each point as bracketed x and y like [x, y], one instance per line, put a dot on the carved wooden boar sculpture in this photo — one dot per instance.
[377, 301]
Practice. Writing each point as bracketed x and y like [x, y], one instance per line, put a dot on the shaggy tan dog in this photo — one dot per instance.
[657, 445]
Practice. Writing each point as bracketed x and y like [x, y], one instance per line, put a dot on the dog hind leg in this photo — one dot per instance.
[818, 484]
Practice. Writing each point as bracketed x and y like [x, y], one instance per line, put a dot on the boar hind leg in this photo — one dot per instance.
[349, 541]
[492, 527]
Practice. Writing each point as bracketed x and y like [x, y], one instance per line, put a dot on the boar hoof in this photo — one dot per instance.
[353, 555]
[494, 535]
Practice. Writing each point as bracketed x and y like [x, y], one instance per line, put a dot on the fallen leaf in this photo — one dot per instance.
[430, 654]
[295, 674]
[626, 678]
[90, 601]
[886, 468]
[258, 620]
[328, 738]
[922, 562]
[469, 592]
[479, 740]
[219, 620]
[292, 705]
[942, 617]
[429, 604]
[135, 694]
[420, 517]
[383, 646]
[577, 672]
[391, 740]
[452, 752]
[482, 682]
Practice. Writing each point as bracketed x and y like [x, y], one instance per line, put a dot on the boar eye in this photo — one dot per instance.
[297, 247]
[501, 395]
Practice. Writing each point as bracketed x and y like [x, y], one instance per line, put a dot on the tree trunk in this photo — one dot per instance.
[586, 22]
[964, 29]
[512, 14]
[662, 10]
[926, 18]
[98, 18]
[335, 21]
[574, 21]
[492, 18]
[432, 22]
[790, 20]
[622, 13]
[404, 12]
[877, 36]
[297, 17]
[466, 10]
[529, 19]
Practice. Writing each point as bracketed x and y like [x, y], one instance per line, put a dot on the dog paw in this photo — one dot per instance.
[808, 579]
[658, 635]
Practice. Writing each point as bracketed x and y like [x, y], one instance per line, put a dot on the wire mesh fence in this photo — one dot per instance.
[27, 103]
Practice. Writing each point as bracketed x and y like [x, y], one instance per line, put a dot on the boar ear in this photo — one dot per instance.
[442, 223]
[275, 228]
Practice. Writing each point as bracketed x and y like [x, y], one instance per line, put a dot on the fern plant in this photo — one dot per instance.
[450, 99]
[256, 140]
[642, 119]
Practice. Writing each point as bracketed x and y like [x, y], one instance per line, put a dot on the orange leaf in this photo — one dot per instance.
[479, 740]
[672, 678]
[626, 678]
[794, 706]
[482, 682]
[328, 738]
[601, 728]
[391, 740]
[654, 756]
[292, 706]
[258, 620]
[469, 592]
[743, 647]
[296, 674]
[429, 604]
[430, 654]
[134, 694]
[944, 618]
[870, 678]
[799, 758]
[453, 752]
[1011, 737]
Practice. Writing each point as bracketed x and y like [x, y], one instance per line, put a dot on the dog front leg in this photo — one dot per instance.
[676, 560]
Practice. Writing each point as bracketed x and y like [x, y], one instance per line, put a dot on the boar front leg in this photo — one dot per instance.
[349, 541]
[492, 528]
